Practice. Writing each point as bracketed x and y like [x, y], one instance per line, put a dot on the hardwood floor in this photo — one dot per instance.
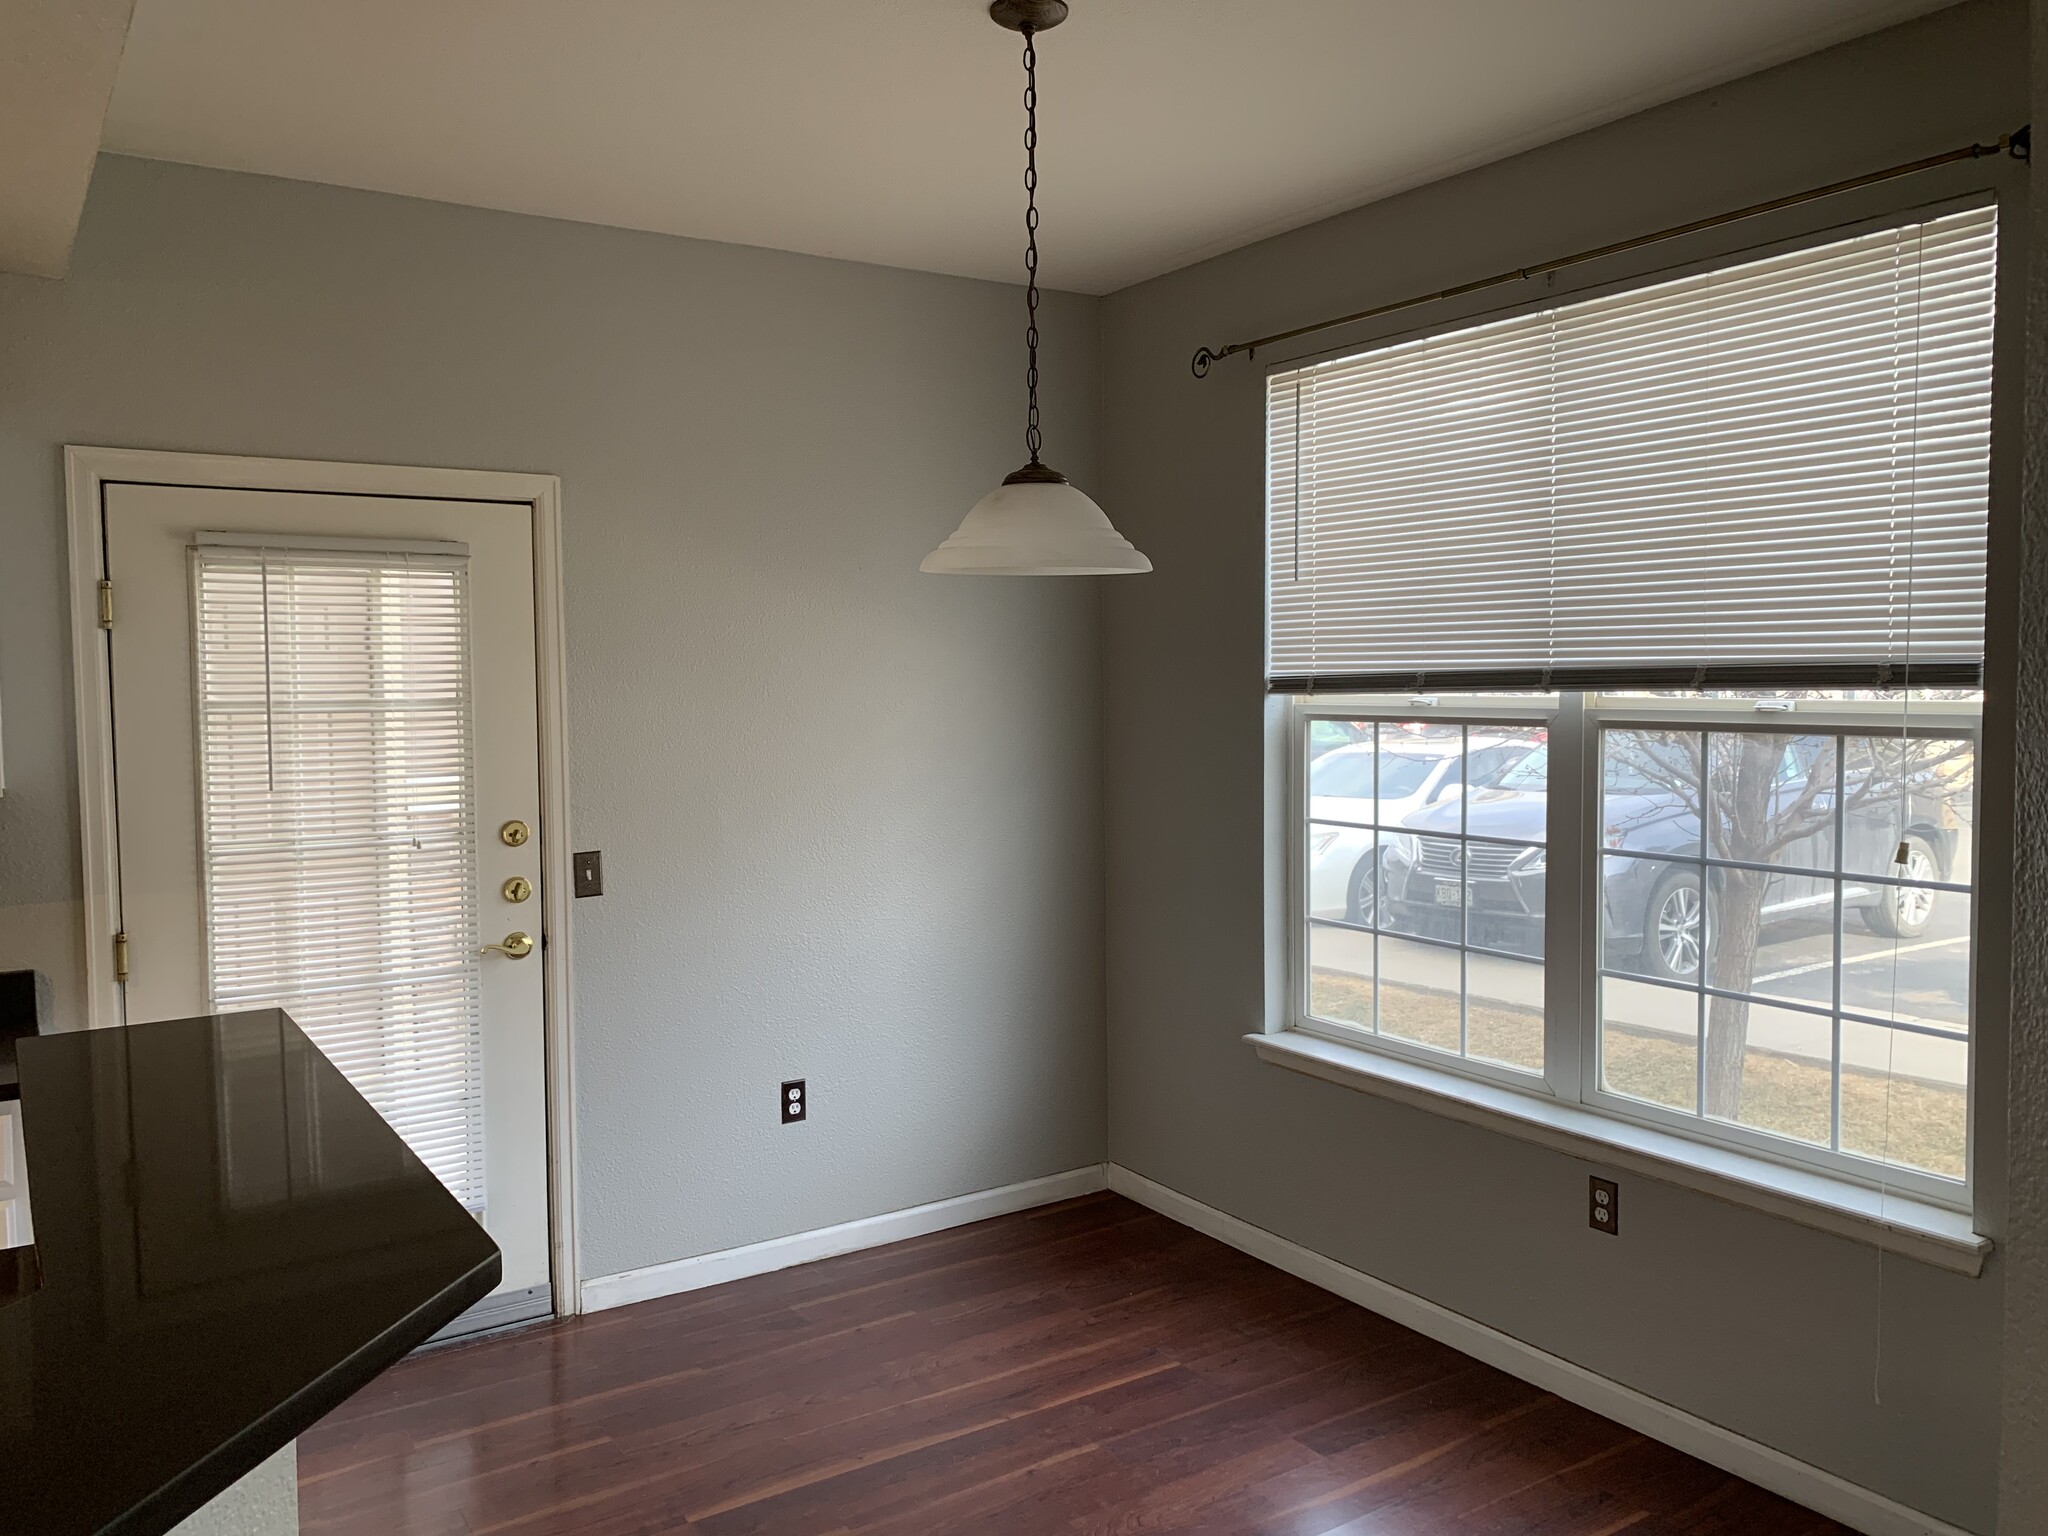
[1085, 1368]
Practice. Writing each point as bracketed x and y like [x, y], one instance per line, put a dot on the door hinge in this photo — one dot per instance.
[121, 956]
[106, 605]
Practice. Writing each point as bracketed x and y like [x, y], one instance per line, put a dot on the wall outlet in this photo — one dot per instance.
[1603, 1206]
[589, 871]
[796, 1101]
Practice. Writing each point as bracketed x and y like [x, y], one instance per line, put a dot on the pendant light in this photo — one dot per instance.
[1034, 523]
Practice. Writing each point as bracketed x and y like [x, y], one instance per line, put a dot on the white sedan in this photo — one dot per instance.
[1414, 773]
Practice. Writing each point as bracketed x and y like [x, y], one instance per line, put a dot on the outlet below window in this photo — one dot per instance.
[1603, 1206]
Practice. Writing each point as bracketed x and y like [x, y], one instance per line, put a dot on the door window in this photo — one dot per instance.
[338, 822]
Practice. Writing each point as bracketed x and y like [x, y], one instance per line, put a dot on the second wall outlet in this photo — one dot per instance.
[796, 1101]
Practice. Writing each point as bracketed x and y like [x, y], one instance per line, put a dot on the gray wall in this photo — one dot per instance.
[850, 813]
[2023, 1456]
[1766, 1327]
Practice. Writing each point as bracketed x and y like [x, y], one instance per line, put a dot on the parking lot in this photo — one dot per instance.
[1923, 979]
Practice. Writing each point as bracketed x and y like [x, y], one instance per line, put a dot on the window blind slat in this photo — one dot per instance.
[1776, 469]
[338, 823]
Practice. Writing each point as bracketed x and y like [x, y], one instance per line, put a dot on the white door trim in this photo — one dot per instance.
[86, 470]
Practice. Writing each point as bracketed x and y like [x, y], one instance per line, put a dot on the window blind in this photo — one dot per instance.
[1770, 474]
[338, 822]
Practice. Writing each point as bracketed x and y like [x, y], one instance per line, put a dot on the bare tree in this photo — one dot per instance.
[1756, 795]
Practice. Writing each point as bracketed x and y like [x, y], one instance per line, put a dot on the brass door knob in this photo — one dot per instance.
[517, 946]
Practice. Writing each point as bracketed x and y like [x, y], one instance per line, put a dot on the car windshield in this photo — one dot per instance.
[1344, 774]
[1530, 774]
[1401, 777]
[1348, 775]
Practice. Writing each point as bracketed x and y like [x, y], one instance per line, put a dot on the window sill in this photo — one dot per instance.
[1915, 1228]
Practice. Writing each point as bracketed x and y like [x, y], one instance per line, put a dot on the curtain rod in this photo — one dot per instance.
[2016, 144]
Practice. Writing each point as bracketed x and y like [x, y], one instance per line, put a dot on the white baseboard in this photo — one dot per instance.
[704, 1269]
[1818, 1490]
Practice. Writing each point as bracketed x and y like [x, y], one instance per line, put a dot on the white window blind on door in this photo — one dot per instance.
[1770, 474]
[338, 821]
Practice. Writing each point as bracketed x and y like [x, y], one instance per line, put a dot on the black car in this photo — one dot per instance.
[1652, 907]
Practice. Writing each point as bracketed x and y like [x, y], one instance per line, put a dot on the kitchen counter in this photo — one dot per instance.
[229, 1242]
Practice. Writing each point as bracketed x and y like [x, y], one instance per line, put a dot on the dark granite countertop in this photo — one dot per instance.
[24, 1006]
[230, 1241]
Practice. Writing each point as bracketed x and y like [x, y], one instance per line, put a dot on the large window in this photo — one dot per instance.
[1771, 908]
[1635, 646]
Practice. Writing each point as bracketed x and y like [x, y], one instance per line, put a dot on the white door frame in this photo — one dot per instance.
[86, 471]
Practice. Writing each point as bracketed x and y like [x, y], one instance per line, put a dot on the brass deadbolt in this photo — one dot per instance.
[518, 888]
[515, 834]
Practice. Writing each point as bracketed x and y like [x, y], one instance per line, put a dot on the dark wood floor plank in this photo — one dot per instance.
[721, 1471]
[1636, 1485]
[1086, 1369]
[901, 1479]
[589, 1354]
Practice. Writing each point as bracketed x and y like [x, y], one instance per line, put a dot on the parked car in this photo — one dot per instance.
[1653, 907]
[1414, 774]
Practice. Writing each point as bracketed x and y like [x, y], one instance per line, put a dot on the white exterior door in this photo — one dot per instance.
[15, 1231]
[326, 771]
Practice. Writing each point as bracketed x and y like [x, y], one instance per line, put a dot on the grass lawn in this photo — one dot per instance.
[1924, 1123]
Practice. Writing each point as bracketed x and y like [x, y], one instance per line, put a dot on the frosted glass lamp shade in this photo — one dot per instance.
[1035, 528]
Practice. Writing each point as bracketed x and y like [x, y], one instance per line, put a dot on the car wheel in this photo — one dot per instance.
[1903, 912]
[1673, 933]
[1363, 905]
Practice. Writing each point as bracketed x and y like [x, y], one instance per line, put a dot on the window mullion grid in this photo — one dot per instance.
[1300, 833]
[1379, 883]
[1842, 795]
[1571, 913]
[1575, 959]
[1464, 893]
[1699, 1053]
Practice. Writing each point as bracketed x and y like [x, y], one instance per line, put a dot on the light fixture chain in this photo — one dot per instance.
[1033, 439]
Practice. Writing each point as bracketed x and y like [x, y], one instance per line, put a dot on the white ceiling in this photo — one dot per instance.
[57, 63]
[889, 130]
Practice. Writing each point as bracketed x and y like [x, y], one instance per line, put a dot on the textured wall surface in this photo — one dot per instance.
[1763, 1326]
[265, 1503]
[2023, 1455]
[850, 813]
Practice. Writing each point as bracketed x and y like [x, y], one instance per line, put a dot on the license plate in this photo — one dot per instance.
[1448, 895]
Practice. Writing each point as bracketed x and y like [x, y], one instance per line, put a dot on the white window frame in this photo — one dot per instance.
[1573, 958]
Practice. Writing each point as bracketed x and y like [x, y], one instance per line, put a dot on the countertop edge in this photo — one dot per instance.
[247, 1450]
